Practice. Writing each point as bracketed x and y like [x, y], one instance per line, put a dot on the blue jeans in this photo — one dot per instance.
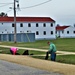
[53, 56]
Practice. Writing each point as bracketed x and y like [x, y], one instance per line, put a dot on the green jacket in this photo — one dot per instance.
[52, 47]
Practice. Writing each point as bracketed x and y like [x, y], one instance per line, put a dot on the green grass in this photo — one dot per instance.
[20, 51]
[4, 50]
[63, 44]
[70, 59]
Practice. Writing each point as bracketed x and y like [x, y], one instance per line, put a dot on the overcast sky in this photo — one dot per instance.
[62, 11]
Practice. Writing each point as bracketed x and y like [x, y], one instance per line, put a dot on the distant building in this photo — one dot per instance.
[43, 27]
[65, 31]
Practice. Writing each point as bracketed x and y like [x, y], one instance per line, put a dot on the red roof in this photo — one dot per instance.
[27, 19]
[61, 27]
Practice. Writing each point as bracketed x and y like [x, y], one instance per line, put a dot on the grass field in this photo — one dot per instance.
[61, 44]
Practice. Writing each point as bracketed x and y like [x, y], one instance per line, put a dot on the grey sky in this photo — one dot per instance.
[62, 11]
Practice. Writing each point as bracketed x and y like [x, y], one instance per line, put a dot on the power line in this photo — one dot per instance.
[6, 4]
[36, 5]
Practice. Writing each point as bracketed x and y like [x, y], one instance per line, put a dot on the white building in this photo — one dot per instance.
[43, 27]
[65, 31]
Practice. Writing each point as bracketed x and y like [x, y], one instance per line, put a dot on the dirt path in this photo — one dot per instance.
[65, 69]
[58, 52]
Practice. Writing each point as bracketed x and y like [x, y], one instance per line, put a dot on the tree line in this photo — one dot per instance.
[2, 14]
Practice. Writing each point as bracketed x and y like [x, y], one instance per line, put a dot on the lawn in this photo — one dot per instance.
[66, 44]
[61, 44]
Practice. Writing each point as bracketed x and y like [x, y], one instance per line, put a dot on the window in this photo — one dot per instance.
[51, 24]
[44, 32]
[13, 25]
[37, 33]
[74, 32]
[44, 25]
[2, 23]
[67, 32]
[37, 25]
[62, 31]
[29, 25]
[20, 31]
[12, 31]
[21, 25]
[56, 32]
[51, 32]
[74, 25]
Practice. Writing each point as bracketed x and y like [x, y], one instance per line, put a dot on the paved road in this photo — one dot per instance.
[7, 68]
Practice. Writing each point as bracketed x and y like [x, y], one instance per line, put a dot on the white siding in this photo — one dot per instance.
[71, 32]
[67, 32]
[7, 27]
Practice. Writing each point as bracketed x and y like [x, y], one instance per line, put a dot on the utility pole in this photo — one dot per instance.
[15, 41]
[14, 8]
